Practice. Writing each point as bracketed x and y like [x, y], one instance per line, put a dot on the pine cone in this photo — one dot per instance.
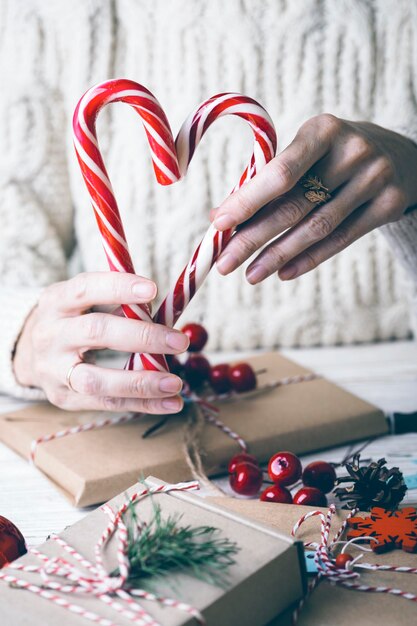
[372, 485]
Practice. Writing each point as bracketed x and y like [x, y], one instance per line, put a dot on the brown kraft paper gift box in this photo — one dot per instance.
[332, 605]
[92, 467]
[262, 582]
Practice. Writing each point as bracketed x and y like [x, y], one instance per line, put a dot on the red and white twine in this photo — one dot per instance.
[345, 577]
[63, 577]
[210, 413]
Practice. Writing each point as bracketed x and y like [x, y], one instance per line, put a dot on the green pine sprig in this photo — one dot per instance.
[163, 545]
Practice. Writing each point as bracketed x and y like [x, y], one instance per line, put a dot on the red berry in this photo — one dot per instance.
[242, 377]
[174, 364]
[219, 378]
[198, 336]
[196, 370]
[12, 543]
[276, 493]
[284, 468]
[343, 559]
[246, 479]
[310, 496]
[242, 457]
[319, 474]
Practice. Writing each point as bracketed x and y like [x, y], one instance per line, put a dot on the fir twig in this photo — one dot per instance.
[162, 545]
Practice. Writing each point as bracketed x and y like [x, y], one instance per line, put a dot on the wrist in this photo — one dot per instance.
[23, 353]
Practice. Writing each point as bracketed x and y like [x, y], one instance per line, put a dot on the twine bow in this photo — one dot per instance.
[78, 576]
[349, 576]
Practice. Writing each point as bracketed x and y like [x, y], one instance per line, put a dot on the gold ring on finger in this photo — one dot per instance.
[69, 374]
[317, 192]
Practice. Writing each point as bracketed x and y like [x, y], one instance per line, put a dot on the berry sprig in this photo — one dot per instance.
[198, 373]
[202, 378]
[284, 470]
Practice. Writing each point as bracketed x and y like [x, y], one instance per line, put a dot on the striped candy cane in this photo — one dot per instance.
[170, 161]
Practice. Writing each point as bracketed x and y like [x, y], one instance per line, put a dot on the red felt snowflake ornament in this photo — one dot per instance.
[391, 529]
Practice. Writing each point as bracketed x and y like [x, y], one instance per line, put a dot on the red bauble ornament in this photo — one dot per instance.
[246, 479]
[310, 496]
[242, 377]
[197, 335]
[319, 474]
[284, 468]
[12, 543]
[219, 378]
[242, 457]
[196, 370]
[343, 559]
[276, 493]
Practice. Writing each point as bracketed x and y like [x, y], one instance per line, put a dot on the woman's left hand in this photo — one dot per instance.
[370, 172]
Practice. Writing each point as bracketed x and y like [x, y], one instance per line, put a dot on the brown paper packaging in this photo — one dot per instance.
[331, 605]
[268, 574]
[94, 466]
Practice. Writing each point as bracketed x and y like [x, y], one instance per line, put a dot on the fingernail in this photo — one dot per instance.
[177, 341]
[256, 273]
[288, 271]
[170, 384]
[144, 289]
[212, 214]
[223, 221]
[172, 404]
[226, 263]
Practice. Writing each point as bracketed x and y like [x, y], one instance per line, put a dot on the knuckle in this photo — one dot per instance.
[88, 383]
[150, 406]
[340, 238]
[50, 296]
[312, 261]
[360, 147]
[244, 203]
[95, 326]
[329, 122]
[246, 242]
[275, 257]
[292, 210]
[58, 397]
[110, 403]
[320, 225]
[139, 386]
[117, 286]
[147, 338]
[384, 169]
[79, 287]
[283, 170]
[393, 203]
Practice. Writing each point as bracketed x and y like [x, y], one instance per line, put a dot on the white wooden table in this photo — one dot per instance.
[385, 374]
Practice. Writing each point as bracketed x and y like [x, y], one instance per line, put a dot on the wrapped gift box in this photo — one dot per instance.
[92, 467]
[268, 574]
[331, 604]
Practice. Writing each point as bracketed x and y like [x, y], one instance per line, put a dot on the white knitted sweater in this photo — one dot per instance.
[354, 58]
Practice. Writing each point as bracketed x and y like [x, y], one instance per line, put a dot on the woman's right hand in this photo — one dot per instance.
[61, 329]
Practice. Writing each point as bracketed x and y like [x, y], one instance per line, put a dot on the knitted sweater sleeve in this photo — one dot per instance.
[35, 206]
[402, 236]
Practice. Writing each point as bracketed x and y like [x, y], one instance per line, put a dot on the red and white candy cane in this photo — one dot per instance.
[61, 578]
[170, 161]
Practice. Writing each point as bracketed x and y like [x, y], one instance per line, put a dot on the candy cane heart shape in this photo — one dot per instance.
[170, 163]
